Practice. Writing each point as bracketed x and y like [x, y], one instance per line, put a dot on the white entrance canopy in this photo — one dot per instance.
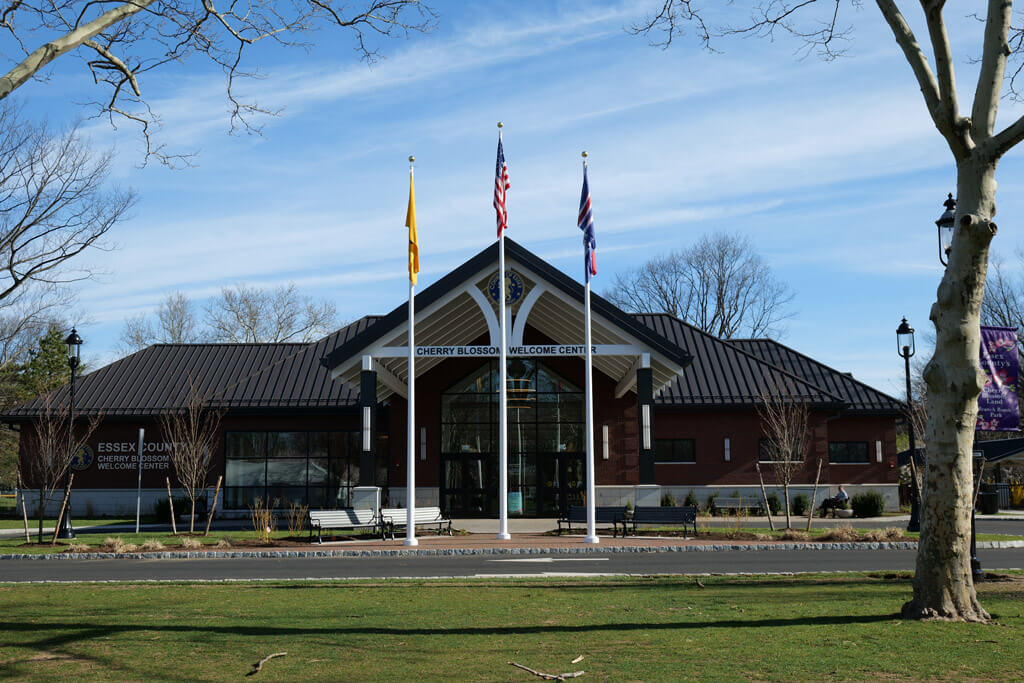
[457, 317]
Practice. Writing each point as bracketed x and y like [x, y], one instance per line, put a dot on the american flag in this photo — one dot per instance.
[501, 185]
[586, 224]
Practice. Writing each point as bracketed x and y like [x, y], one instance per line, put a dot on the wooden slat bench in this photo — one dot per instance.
[603, 514]
[345, 518]
[724, 503]
[424, 516]
[684, 516]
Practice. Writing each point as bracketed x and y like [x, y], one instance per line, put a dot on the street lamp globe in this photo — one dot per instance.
[945, 224]
[905, 340]
[74, 343]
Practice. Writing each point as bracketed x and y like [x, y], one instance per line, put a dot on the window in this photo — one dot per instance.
[317, 469]
[674, 450]
[848, 452]
[768, 452]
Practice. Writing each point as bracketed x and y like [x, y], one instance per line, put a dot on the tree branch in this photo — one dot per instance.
[925, 78]
[949, 109]
[116, 63]
[1007, 138]
[993, 67]
[48, 52]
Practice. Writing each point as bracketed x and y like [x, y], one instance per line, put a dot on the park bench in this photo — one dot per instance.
[346, 518]
[724, 503]
[684, 516]
[603, 514]
[425, 516]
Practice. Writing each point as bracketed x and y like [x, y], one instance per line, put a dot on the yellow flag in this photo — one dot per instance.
[410, 222]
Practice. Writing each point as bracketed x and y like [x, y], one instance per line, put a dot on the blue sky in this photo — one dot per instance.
[832, 169]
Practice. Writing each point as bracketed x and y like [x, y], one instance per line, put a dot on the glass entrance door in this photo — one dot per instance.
[469, 485]
[545, 468]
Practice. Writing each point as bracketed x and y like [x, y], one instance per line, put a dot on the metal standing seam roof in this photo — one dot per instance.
[723, 375]
[156, 379]
[858, 395]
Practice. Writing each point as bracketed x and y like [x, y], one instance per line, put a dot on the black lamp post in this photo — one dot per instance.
[905, 347]
[74, 343]
[945, 224]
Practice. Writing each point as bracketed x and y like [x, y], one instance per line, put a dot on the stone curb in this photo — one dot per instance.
[448, 552]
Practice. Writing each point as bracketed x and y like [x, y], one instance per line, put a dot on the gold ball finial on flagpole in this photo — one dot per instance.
[584, 155]
[411, 158]
[500, 124]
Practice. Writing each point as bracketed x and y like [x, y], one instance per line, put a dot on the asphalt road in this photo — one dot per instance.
[480, 565]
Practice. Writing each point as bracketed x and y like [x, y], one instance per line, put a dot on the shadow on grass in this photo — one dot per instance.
[78, 631]
[631, 583]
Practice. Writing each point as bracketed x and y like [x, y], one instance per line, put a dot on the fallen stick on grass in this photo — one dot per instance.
[259, 665]
[577, 660]
[549, 677]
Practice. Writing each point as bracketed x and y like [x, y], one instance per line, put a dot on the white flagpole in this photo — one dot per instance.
[591, 510]
[502, 393]
[138, 492]
[410, 466]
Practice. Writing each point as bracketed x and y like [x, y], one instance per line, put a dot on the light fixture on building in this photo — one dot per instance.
[604, 442]
[645, 422]
[366, 428]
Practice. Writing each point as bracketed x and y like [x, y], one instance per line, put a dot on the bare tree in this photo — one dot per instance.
[943, 585]
[784, 424]
[720, 284]
[248, 314]
[50, 444]
[121, 42]
[1003, 304]
[175, 323]
[53, 207]
[192, 431]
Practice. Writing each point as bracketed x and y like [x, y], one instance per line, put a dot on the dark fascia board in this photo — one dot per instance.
[538, 265]
[289, 411]
[732, 407]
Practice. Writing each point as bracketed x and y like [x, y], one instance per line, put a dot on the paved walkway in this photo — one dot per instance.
[531, 532]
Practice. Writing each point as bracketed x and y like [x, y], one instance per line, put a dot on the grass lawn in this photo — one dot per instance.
[19, 523]
[834, 627]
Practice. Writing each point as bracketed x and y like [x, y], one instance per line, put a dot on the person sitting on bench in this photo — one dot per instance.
[834, 503]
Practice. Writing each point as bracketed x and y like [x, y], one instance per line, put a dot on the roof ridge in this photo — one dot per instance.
[801, 380]
[824, 365]
[194, 344]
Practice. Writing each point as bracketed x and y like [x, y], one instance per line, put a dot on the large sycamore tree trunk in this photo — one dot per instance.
[943, 584]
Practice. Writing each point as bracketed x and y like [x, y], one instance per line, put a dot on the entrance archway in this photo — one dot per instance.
[545, 449]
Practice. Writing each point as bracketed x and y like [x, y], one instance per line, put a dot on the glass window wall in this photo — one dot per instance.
[317, 469]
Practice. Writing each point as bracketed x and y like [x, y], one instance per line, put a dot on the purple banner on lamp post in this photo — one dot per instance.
[997, 405]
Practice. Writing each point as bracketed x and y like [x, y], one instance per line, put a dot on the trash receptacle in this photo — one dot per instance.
[988, 502]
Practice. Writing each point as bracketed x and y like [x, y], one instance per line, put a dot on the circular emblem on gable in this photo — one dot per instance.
[82, 459]
[513, 287]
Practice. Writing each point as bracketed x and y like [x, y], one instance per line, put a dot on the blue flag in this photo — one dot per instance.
[586, 224]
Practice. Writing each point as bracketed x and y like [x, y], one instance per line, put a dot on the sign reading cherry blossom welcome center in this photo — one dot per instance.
[997, 404]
